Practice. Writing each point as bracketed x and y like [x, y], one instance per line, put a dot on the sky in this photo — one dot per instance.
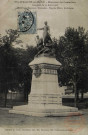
[58, 20]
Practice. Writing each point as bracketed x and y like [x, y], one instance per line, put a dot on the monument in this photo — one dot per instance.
[45, 98]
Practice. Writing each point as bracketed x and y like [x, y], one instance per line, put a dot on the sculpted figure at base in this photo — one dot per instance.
[39, 42]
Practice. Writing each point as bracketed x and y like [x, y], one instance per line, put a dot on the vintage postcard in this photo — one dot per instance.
[43, 67]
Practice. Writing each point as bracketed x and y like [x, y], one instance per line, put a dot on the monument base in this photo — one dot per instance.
[45, 98]
[60, 111]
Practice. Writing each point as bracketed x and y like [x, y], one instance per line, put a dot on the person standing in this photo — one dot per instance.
[46, 33]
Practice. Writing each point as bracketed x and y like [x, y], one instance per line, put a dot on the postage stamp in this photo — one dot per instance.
[74, 123]
[27, 22]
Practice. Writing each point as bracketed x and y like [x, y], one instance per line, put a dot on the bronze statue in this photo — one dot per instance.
[39, 42]
[45, 46]
[46, 33]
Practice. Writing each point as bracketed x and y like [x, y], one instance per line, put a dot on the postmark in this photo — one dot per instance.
[74, 123]
[27, 22]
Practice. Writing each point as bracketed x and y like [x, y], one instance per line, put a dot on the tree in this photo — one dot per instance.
[7, 61]
[15, 74]
[73, 56]
[24, 57]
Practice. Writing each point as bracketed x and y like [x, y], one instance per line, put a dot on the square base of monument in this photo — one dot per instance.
[62, 111]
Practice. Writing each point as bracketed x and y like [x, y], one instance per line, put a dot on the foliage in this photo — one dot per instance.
[73, 54]
[24, 57]
[15, 74]
[7, 59]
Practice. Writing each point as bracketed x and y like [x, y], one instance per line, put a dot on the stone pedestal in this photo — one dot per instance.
[45, 98]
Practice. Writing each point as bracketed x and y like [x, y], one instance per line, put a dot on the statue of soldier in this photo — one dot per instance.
[46, 33]
[45, 45]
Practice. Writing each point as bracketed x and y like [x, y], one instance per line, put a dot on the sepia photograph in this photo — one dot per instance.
[43, 67]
